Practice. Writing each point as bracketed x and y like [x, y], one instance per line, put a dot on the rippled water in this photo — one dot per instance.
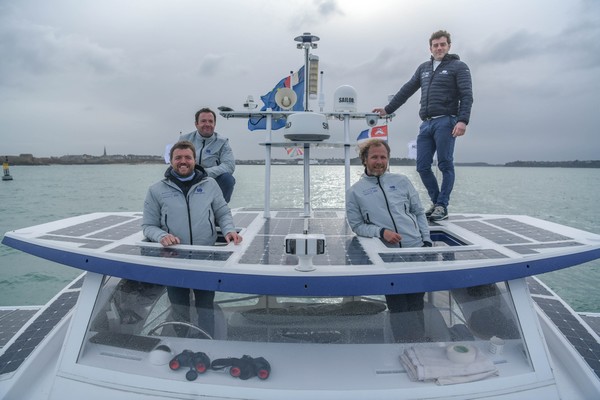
[42, 194]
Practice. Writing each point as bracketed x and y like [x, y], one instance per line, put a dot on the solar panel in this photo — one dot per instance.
[243, 220]
[577, 334]
[530, 231]
[282, 226]
[24, 345]
[537, 288]
[120, 231]
[270, 250]
[593, 322]
[87, 243]
[86, 228]
[267, 250]
[531, 248]
[11, 321]
[489, 232]
[171, 252]
[442, 256]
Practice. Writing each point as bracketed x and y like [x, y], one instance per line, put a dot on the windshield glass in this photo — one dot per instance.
[133, 320]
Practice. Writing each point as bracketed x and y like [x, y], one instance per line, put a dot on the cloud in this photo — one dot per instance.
[39, 51]
[315, 14]
[210, 64]
[80, 75]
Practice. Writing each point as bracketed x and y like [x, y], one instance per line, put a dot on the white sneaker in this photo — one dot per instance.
[439, 213]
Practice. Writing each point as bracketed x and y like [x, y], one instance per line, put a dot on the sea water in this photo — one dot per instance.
[40, 194]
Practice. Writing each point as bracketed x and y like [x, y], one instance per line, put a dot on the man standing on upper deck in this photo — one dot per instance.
[446, 100]
[213, 152]
[387, 206]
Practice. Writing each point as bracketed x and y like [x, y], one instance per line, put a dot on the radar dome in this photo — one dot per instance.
[344, 99]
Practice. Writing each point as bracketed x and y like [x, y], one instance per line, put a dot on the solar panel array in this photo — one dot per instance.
[11, 321]
[171, 252]
[569, 323]
[36, 332]
[268, 246]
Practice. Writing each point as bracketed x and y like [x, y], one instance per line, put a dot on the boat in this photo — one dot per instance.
[300, 309]
[6, 176]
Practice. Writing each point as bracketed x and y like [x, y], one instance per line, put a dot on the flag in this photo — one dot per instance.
[376, 132]
[412, 149]
[294, 151]
[294, 81]
[167, 155]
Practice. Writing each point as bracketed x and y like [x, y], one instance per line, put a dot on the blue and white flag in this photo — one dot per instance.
[412, 149]
[376, 132]
[294, 81]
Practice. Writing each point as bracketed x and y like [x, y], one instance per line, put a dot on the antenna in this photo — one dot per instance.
[313, 75]
[306, 42]
[321, 94]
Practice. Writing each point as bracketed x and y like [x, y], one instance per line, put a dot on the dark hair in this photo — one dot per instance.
[184, 144]
[204, 110]
[364, 149]
[438, 35]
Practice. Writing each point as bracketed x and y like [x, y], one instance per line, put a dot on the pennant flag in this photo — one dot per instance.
[294, 151]
[167, 155]
[412, 149]
[376, 132]
[294, 81]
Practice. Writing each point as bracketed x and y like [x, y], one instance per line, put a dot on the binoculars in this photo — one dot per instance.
[197, 362]
[245, 367]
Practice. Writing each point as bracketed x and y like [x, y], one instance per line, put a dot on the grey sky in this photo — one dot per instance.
[76, 76]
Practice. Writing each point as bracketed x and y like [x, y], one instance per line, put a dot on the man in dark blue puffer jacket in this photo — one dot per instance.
[446, 100]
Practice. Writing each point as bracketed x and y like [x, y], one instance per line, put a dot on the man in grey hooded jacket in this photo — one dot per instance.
[182, 209]
[387, 206]
[213, 152]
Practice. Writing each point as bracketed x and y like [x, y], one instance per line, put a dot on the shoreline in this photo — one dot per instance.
[30, 160]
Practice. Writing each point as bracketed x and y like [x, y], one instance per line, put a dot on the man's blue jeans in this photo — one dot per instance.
[226, 182]
[180, 309]
[435, 135]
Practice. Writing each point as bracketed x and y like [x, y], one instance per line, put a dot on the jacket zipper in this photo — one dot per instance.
[387, 205]
[212, 230]
[201, 151]
[187, 204]
[410, 216]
